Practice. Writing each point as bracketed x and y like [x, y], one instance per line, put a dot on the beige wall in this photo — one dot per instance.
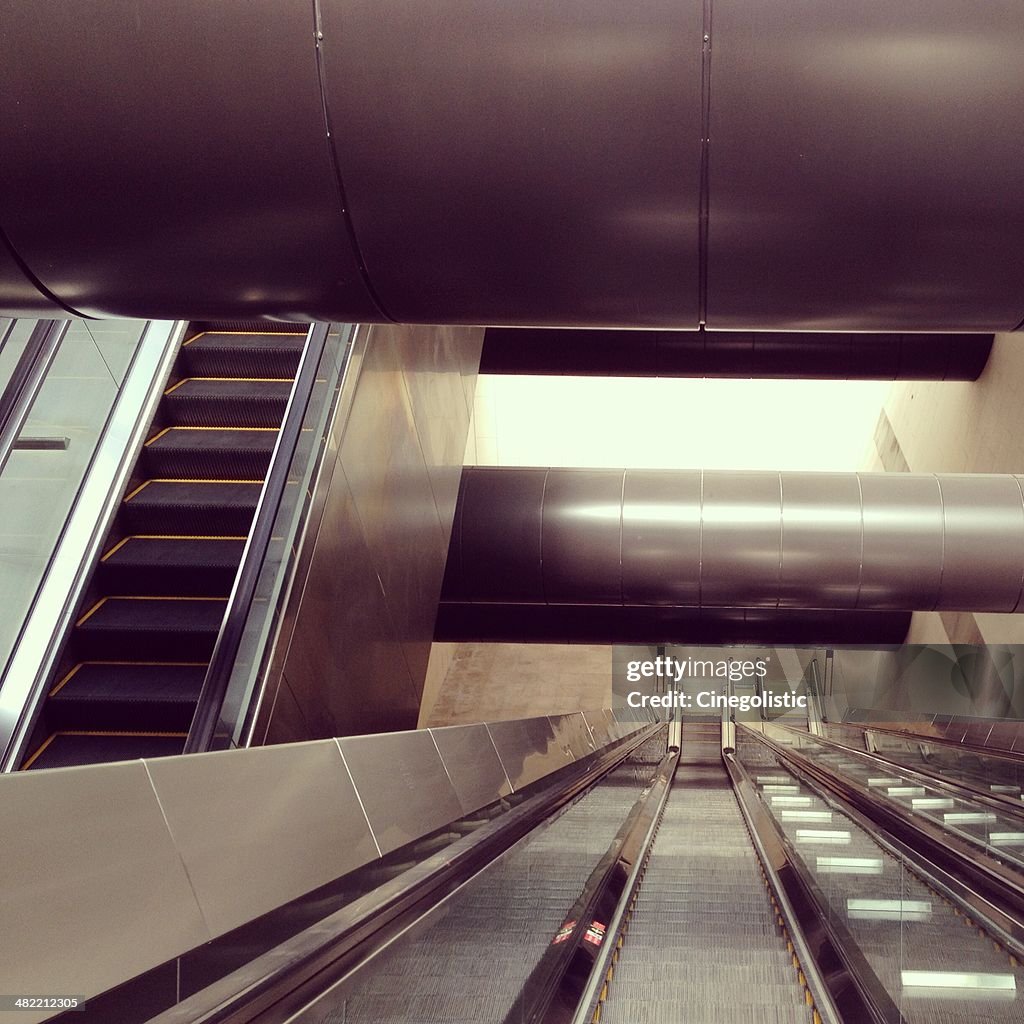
[492, 682]
[959, 427]
[364, 622]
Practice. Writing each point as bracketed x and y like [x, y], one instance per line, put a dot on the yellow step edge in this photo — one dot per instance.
[245, 334]
[88, 732]
[185, 480]
[167, 536]
[169, 664]
[141, 597]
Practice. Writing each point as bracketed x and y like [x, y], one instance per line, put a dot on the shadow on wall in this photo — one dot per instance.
[985, 681]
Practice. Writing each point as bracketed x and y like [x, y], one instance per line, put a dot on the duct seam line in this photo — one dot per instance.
[1020, 592]
[942, 554]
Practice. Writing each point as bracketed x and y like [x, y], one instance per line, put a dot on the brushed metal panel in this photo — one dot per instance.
[237, 192]
[528, 749]
[865, 170]
[259, 827]
[661, 537]
[344, 630]
[902, 556]
[402, 784]
[821, 540]
[500, 538]
[581, 539]
[386, 467]
[94, 890]
[572, 731]
[983, 543]
[472, 764]
[564, 136]
[741, 539]
[600, 727]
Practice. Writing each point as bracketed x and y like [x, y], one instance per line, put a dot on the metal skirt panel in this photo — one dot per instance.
[729, 539]
[784, 167]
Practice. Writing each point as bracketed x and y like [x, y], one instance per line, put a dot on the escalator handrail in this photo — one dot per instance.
[222, 662]
[25, 381]
[842, 982]
[348, 938]
[984, 886]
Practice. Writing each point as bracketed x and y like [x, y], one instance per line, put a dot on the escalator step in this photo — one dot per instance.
[178, 566]
[213, 508]
[64, 749]
[222, 354]
[126, 628]
[133, 696]
[210, 453]
[227, 402]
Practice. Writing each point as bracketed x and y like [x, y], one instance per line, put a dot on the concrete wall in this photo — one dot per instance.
[364, 623]
[491, 682]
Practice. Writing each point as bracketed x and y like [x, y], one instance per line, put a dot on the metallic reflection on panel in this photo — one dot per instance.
[402, 784]
[536, 163]
[472, 764]
[806, 355]
[528, 749]
[87, 856]
[204, 842]
[738, 541]
[237, 821]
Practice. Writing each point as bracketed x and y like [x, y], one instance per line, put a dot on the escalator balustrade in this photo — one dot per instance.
[130, 678]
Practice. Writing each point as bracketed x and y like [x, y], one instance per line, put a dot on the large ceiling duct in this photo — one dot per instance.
[781, 354]
[661, 163]
[728, 539]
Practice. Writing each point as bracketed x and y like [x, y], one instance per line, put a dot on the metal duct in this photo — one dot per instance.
[762, 166]
[718, 539]
[703, 353]
[464, 622]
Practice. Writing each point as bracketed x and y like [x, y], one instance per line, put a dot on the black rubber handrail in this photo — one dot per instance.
[26, 380]
[203, 731]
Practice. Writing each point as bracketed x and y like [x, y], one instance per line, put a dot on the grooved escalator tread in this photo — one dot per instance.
[65, 749]
[211, 507]
[227, 402]
[125, 627]
[211, 452]
[178, 566]
[226, 354]
[119, 695]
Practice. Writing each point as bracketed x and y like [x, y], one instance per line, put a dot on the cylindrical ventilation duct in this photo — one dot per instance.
[806, 355]
[778, 165]
[464, 622]
[721, 539]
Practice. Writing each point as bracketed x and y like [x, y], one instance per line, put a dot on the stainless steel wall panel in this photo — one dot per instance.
[259, 830]
[565, 137]
[839, 199]
[362, 618]
[741, 539]
[500, 538]
[236, 191]
[983, 543]
[661, 553]
[902, 555]
[581, 536]
[402, 785]
[600, 726]
[528, 749]
[821, 540]
[571, 731]
[88, 866]
[472, 764]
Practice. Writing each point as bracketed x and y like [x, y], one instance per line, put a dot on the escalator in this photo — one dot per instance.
[703, 941]
[132, 670]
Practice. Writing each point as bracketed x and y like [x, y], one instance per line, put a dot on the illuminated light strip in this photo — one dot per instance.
[962, 982]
